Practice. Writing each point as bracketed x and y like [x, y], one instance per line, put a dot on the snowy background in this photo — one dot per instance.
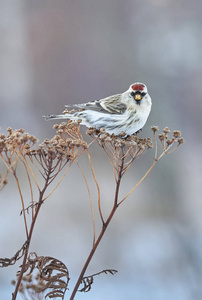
[54, 53]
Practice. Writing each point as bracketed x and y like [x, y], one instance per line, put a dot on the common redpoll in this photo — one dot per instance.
[126, 112]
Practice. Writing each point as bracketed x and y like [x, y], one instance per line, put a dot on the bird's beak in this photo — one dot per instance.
[138, 97]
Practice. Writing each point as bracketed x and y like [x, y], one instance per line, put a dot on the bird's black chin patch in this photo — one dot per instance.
[137, 96]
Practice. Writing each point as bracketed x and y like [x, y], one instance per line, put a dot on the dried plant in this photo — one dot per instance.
[88, 280]
[48, 160]
[122, 151]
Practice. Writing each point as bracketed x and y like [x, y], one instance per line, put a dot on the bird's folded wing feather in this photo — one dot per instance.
[110, 105]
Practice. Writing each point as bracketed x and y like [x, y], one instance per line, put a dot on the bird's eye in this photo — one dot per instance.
[138, 97]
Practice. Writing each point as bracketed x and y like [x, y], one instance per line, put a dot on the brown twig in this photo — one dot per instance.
[91, 203]
[98, 188]
[41, 194]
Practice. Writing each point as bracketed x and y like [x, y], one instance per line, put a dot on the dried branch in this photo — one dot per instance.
[88, 280]
[5, 262]
[3, 180]
[91, 203]
[97, 185]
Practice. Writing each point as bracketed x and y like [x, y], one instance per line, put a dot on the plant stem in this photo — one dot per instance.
[104, 227]
[14, 295]
[41, 193]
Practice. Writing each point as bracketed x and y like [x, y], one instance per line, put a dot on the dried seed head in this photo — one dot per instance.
[16, 134]
[154, 128]
[103, 136]
[108, 139]
[181, 140]
[27, 146]
[102, 130]
[46, 141]
[122, 134]
[55, 126]
[166, 130]
[148, 140]
[141, 146]
[161, 137]
[62, 125]
[65, 111]
[169, 142]
[90, 131]
[25, 137]
[59, 131]
[21, 130]
[84, 145]
[33, 139]
[177, 133]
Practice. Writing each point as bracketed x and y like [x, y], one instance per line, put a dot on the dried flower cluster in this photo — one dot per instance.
[16, 140]
[62, 145]
[51, 156]
[68, 137]
[120, 148]
[15, 145]
[166, 141]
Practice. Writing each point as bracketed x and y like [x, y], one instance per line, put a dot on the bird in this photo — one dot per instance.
[125, 112]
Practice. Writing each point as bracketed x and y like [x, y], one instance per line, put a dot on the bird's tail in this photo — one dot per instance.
[63, 116]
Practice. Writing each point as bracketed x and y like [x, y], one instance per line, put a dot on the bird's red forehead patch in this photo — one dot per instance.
[137, 87]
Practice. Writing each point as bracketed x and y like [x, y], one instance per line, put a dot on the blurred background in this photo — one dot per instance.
[54, 53]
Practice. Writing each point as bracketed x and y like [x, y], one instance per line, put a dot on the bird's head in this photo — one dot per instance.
[138, 90]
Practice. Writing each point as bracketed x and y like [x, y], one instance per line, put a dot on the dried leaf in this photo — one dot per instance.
[88, 280]
[52, 272]
[5, 262]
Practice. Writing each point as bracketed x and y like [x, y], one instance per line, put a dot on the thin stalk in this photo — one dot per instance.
[58, 182]
[155, 142]
[22, 202]
[41, 193]
[14, 295]
[98, 188]
[145, 175]
[30, 169]
[30, 186]
[91, 202]
[9, 168]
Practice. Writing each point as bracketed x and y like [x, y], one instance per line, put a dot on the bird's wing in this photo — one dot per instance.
[110, 105]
